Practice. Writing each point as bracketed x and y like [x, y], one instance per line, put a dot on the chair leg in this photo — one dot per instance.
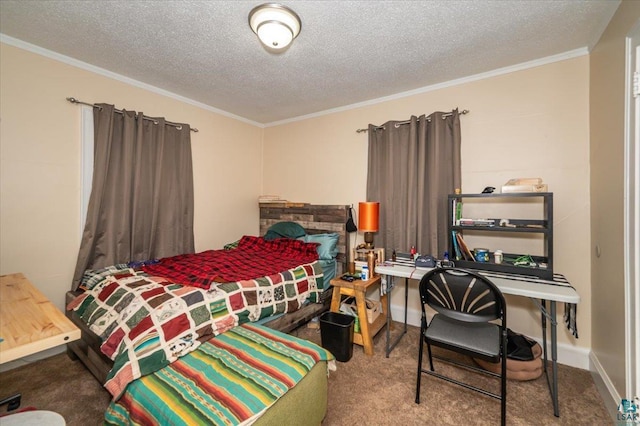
[430, 357]
[503, 382]
[419, 368]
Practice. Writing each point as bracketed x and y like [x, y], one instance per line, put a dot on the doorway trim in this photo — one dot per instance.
[632, 213]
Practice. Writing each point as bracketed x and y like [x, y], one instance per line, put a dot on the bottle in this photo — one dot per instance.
[371, 263]
[364, 274]
[446, 262]
[413, 252]
[393, 255]
[498, 256]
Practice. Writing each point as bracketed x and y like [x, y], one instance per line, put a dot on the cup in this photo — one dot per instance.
[352, 268]
[481, 255]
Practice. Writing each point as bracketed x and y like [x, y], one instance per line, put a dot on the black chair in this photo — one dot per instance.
[470, 319]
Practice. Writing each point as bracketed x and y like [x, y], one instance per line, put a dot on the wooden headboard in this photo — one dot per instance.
[315, 219]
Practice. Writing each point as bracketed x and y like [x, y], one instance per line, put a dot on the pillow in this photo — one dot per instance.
[296, 249]
[285, 230]
[93, 277]
[328, 248]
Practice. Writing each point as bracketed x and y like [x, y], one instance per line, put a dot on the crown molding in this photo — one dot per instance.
[500, 71]
[101, 71]
[109, 74]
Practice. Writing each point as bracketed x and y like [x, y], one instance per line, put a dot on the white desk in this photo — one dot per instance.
[534, 288]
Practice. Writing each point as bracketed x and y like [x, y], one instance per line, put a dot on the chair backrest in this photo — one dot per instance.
[462, 295]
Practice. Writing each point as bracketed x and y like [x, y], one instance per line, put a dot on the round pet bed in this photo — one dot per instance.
[518, 370]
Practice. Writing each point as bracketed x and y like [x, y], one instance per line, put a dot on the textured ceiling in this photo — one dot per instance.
[347, 52]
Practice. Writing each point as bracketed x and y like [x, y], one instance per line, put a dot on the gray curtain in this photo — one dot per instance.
[141, 203]
[412, 168]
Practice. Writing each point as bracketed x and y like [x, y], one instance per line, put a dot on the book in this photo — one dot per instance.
[456, 247]
[464, 248]
[457, 211]
[476, 222]
[463, 253]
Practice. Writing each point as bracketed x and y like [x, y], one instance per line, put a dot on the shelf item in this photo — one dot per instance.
[360, 255]
[537, 264]
[465, 252]
[524, 185]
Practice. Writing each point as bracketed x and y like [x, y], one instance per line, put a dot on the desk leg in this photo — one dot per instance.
[388, 332]
[390, 345]
[553, 382]
[543, 317]
[554, 358]
[406, 300]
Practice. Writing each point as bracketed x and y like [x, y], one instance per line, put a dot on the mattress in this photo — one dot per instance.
[234, 378]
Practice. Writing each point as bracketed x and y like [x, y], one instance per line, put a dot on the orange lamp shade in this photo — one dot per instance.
[369, 213]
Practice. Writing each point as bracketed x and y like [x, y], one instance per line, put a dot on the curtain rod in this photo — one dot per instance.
[75, 101]
[448, 114]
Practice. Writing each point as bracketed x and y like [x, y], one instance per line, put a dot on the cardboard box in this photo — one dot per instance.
[374, 308]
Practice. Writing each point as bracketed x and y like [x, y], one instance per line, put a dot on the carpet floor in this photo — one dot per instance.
[366, 390]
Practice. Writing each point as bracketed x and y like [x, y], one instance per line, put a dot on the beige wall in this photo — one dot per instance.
[530, 123]
[607, 94]
[533, 122]
[40, 165]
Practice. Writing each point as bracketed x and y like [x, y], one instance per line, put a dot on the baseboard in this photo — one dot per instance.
[605, 386]
[567, 354]
[413, 315]
[571, 355]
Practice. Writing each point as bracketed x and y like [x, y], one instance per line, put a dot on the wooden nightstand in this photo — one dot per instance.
[358, 289]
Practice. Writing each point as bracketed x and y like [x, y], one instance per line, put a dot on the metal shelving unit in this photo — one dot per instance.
[543, 226]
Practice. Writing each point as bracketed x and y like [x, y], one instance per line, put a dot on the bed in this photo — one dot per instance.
[232, 379]
[144, 349]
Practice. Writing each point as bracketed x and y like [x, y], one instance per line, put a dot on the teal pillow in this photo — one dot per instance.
[328, 248]
[285, 230]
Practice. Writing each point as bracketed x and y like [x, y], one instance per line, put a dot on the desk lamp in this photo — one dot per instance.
[368, 221]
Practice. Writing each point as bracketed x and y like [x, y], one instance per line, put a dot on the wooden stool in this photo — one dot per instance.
[358, 289]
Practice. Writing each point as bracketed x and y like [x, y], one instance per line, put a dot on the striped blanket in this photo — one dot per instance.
[146, 322]
[230, 380]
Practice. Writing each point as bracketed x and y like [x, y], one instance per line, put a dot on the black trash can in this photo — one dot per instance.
[336, 331]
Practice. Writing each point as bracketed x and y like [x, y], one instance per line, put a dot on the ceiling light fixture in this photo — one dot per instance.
[276, 25]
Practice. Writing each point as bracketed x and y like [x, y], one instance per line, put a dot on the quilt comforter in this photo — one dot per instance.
[231, 379]
[148, 322]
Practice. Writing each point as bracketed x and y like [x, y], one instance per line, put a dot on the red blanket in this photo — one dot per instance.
[254, 257]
